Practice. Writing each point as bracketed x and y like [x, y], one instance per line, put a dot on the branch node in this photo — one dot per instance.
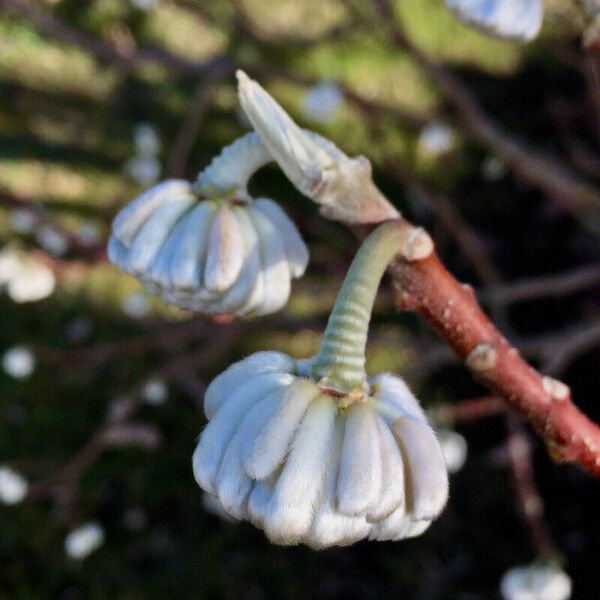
[418, 246]
[556, 389]
[482, 357]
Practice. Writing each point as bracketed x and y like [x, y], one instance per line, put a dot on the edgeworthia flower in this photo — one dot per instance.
[314, 452]
[316, 166]
[210, 246]
[519, 20]
[538, 581]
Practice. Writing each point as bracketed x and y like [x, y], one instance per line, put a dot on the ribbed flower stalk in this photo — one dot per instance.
[339, 364]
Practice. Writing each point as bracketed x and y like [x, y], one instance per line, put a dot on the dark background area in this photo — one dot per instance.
[75, 85]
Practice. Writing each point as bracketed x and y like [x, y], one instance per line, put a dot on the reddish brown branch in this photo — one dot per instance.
[452, 309]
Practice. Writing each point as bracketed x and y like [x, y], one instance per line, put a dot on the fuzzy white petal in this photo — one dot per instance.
[302, 479]
[117, 252]
[359, 480]
[391, 526]
[275, 266]
[251, 280]
[239, 374]
[218, 433]
[192, 231]
[392, 476]
[394, 399]
[329, 526]
[426, 470]
[236, 299]
[153, 233]
[224, 252]
[259, 500]
[271, 445]
[295, 248]
[233, 485]
[131, 218]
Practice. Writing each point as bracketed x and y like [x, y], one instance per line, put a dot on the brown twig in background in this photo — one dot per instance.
[471, 409]
[189, 128]
[565, 187]
[545, 286]
[530, 501]
[123, 58]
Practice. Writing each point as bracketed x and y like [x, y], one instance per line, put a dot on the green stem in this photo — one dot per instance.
[340, 361]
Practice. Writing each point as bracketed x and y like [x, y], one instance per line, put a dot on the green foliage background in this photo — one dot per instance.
[66, 130]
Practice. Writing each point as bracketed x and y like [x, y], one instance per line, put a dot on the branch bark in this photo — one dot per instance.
[426, 287]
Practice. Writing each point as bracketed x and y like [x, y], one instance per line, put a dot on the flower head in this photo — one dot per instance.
[537, 581]
[313, 451]
[210, 246]
[519, 20]
[84, 540]
[13, 486]
[317, 167]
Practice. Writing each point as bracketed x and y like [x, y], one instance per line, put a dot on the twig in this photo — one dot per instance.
[126, 59]
[561, 284]
[182, 146]
[426, 287]
[530, 501]
[471, 409]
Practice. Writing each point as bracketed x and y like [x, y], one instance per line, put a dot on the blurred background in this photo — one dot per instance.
[493, 146]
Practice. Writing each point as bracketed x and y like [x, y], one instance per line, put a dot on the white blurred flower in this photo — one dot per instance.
[145, 170]
[11, 260]
[135, 305]
[210, 246]
[88, 233]
[155, 392]
[144, 4]
[35, 282]
[519, 20]
[146, 139]
[454, 449]
[25, 279]
[13, 486]
[81, 542]
[22, 220]
[536, 581]
[18, 362]
[493, 168]
[436, 139]
[321, 102]
[51, 240]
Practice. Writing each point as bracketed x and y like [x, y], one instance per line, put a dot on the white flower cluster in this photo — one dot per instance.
[211, 247]
[519, 20]
[24, 277]
[322, 102]
[537, 581]
[13, 486]
[144, 167]
[313, 468]
[18, 362]
[82, 541]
